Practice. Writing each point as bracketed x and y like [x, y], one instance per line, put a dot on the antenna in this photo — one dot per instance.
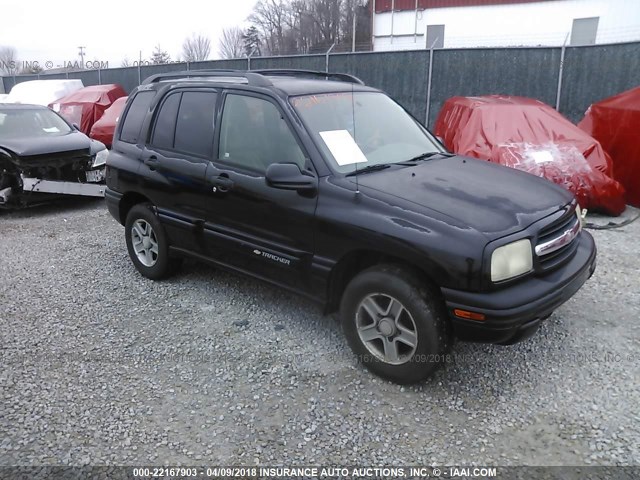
[353, 119]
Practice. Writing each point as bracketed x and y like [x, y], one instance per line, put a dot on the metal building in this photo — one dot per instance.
[417, 24]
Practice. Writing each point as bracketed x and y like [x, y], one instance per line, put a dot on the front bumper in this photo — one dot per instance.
[38, 185]
[515, 313]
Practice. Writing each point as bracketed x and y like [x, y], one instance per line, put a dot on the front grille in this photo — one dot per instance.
[555, 231]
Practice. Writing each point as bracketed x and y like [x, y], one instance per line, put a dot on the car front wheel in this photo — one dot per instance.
[147, 243]
[395, 323]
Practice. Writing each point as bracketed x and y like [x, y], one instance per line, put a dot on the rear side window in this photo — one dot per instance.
[194, 125]
[165, 129]
[132, 125]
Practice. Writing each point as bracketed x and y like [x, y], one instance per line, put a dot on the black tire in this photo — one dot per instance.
[162, 264]
[427, 314]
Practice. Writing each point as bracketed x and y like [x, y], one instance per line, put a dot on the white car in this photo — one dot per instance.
[42, 92]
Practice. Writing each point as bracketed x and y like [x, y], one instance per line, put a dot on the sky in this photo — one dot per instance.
[51, 32]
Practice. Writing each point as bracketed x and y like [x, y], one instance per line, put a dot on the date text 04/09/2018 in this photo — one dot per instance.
[354, 472]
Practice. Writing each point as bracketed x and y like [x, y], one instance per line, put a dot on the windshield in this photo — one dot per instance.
[367, 128]
[31, 122]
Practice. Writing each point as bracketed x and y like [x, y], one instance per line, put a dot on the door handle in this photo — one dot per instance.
[151, 162]
[221, 183]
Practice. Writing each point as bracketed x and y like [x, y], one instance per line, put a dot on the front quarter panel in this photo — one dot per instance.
[370, 220]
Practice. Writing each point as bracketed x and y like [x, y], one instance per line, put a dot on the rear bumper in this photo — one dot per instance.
[112, 199]
[515, 313]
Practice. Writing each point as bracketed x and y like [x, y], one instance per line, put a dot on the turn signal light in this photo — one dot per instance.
[468, 315]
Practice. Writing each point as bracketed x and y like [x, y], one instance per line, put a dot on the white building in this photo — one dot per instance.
[418, 24]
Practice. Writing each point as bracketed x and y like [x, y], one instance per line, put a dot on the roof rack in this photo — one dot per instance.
[344, 77]
[252, 78]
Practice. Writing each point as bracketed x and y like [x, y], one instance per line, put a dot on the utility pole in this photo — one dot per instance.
[353, 29]
[373, 26]
[81, 53]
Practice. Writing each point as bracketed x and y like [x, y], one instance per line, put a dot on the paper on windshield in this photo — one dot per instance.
[343, 147]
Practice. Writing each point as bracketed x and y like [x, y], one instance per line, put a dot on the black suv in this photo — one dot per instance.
[327, 187]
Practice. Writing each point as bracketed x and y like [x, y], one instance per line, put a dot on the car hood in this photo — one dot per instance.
[33, 146]
[492, 199]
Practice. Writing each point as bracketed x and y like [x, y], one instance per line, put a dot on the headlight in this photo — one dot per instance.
[100, 158]
[511, 260]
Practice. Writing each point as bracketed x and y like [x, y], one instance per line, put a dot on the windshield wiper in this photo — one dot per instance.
[410, 162]
[370, 168]
[427, 155]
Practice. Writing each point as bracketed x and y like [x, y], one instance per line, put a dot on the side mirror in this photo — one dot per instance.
[288, 176]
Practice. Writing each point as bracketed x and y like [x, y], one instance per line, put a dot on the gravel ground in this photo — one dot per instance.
[101, 366]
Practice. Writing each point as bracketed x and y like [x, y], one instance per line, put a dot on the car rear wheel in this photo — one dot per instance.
[147, 243]
[395, 323]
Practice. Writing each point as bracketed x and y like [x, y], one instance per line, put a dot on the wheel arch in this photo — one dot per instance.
[357, 261]
[127, 202]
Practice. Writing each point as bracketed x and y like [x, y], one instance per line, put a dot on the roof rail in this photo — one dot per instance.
[344, 77]
[252, 77]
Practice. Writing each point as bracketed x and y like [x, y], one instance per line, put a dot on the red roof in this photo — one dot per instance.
[386, 5]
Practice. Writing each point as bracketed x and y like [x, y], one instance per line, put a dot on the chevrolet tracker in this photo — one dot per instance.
[327, 187]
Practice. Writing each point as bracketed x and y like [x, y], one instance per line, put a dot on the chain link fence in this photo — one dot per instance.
[569, 78]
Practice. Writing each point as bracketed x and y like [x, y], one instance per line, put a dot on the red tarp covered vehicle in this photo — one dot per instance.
[529, 135]
[103, 129]
[615, 123]
[85, 106]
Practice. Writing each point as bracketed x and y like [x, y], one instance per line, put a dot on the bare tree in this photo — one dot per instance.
[326, 14]
[8, 60]
[125, 62]
[196, 48]
[307, 26]
[300, 25]
[232, 43]
[269, 16]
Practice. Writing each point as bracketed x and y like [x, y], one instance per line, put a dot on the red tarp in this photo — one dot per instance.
[85, 106]
[529, 135]
[615, 123]
[103, 129]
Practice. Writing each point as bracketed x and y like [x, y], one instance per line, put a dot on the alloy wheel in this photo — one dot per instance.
[386, 328]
